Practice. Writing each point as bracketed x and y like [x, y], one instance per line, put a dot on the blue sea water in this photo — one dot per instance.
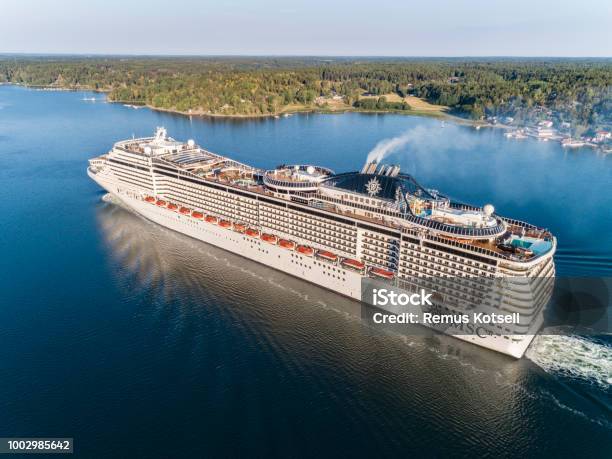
[140, 342]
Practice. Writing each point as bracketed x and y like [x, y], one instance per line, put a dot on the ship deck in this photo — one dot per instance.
[475, 245]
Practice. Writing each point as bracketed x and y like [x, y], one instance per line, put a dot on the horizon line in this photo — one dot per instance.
[328, 56]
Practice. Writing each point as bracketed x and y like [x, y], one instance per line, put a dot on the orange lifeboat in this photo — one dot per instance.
[211, 219]
[161, 203]
[172, 206]
[225, 224]
[150, 199]
[270, 238]
[184, 210]
[196, 214]
[304, 250]
[355, 264]
[239, 227]
[285, 244]
[378, 272]
[252, 233]
[327, 255]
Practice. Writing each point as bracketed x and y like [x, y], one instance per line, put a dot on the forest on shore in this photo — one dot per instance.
[576, 91]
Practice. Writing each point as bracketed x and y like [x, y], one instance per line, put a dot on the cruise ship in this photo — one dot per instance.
[338, 230]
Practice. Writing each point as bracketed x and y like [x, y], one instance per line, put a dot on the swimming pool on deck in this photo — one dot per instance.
[537, 246]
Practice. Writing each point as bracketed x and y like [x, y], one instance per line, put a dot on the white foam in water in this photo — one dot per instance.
[573, 356]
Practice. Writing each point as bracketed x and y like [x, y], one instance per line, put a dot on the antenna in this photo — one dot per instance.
[160, 133]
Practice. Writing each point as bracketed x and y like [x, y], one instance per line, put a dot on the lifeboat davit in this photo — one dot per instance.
[285, 244]
[252, 233]
[172, 206]
[196, 214]
[184, 210]
[150, 199]
[239, 227]
[270, 238]
[225, 224]
[378, 272]
[327, 255]
[355, 264]
[161, 203]
[304, 250]
[211, 219]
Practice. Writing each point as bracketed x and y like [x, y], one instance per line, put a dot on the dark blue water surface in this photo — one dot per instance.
[140, 342]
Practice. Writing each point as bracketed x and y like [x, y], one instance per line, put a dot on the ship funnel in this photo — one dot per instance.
[393, 171]
[369, 168]
[380, 169]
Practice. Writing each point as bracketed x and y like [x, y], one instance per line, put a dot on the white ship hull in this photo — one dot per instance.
[327, 275]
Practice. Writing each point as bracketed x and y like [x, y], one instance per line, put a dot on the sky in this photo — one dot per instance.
[313, 27]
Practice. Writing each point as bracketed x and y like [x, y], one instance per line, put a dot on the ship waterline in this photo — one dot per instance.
[333, 230]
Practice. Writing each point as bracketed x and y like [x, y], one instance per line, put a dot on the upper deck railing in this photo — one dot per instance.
[288, 182]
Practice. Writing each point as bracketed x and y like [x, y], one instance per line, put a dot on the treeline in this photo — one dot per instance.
[577, 90]
[380, 103]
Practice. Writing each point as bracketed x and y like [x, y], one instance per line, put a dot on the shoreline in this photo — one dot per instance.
[442, 116]
[438, 115]
[308, 110]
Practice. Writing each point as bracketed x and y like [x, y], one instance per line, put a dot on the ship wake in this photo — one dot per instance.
[574, 357]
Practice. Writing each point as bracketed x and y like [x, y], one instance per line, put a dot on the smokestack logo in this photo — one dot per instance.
[373, 187]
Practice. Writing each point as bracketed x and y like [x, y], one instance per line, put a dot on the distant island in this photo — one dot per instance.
[574, 93]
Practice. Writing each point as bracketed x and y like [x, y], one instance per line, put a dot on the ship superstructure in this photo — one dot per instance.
[336, 229]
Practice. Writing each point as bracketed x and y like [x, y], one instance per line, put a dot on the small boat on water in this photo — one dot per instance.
[196, 214]
[225, 224]
[383, 273]
[161, 203]
[515, 134]
[285, 244]
[239, 227]
[327, 255]
[211, 219]
[252, 232]
[172, 206]
[354, 264]
[572, 143]
[150, 199]
[269, 238]
[304, 250]
[184, 210]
